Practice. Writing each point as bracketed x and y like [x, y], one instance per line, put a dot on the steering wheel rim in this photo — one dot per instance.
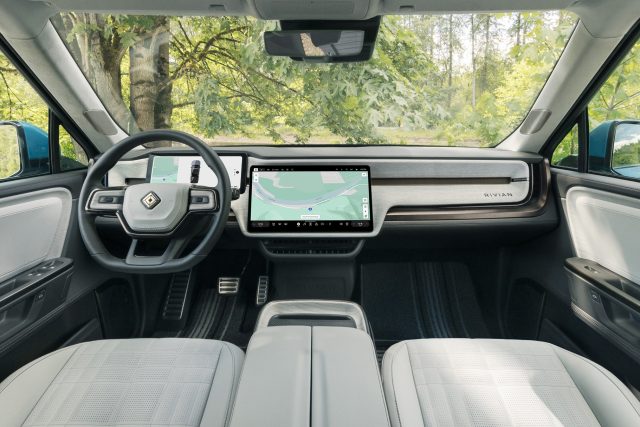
[107, 160]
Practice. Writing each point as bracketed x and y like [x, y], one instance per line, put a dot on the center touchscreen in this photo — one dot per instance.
[310, 199]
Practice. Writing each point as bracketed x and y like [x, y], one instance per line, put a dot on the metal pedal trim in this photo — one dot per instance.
[228, 285]
[262, 292]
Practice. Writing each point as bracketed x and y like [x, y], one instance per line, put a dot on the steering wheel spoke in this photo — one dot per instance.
[203, 199]
[171, 252]
[105, 201]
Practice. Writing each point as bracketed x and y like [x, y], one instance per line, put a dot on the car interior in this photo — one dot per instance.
[319, 213]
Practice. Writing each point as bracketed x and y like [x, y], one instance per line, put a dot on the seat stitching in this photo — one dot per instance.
[375, 364]
[213, 379]
[606, 375]
[415, 387]
[233, 382]
[51, 382]
[574, 383]
[393, 387]
[29, 365]
[237, 384]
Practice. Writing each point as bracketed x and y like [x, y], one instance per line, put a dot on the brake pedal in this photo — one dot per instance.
[263, 290]
[228, 285]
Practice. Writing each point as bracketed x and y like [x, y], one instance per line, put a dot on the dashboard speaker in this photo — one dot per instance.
[101, 122]
[534, 121]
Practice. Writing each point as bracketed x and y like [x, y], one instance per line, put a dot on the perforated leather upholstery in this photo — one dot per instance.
[135, 382]
[463, 382]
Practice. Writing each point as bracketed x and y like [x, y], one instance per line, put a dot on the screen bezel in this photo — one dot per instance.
[243, 167]
[330, 226]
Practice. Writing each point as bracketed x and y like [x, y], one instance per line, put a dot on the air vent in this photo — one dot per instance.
[311, 247]
[177, 296]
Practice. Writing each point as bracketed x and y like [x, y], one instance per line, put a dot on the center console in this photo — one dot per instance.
[309, 374]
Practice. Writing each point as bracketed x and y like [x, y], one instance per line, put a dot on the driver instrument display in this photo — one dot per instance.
[310, 199]
[193, 170]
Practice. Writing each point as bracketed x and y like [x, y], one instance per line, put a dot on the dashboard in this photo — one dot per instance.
[357, 192]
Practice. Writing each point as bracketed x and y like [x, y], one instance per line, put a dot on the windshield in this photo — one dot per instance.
[463, 80]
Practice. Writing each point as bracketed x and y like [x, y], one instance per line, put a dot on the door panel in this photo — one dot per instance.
[59, 307]
[607, 302]
[605, 228]
[603, 218]
[34, 228]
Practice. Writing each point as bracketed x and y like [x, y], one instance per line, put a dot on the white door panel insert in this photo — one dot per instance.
[605, 228]
[33, 228]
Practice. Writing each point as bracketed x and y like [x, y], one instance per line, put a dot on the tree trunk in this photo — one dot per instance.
[484, 76]
[100, 61]
[150, 88]
[450, 60]
[164, 104]
[473, 64]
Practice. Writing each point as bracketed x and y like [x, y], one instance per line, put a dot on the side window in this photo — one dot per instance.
[614, 121]
[72, 155]
[24, 120]
[24, 130]
[566, 153]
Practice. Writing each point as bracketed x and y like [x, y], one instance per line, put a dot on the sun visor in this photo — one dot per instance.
[316, 10]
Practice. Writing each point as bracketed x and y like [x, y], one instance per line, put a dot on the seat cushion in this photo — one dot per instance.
[167, 382]
[482, 382]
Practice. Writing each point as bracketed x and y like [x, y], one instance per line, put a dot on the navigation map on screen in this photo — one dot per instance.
[307, 198]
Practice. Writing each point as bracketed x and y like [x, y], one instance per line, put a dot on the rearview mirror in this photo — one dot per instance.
[324, 41]
[314, 44]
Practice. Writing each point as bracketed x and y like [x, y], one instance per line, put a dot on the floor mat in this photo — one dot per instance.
[420, 300]
[224, 317]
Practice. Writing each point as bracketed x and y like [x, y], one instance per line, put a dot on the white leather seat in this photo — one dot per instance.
[134, 382]
[481, 382]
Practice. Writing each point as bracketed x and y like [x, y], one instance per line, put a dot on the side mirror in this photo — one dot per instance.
[24, 150]
[614, 148]
[10, 159]
[625, 142]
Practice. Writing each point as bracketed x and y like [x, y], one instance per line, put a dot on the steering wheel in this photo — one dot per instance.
[161, 218]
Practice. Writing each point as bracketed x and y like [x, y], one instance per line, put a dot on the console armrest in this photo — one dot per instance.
[275, 384]
[310, 376]
[346, 387]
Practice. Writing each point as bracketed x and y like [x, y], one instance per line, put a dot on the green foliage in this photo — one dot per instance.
[18, 102]
[568, 148]
[627, 155]
[619, 96]
[419, 88]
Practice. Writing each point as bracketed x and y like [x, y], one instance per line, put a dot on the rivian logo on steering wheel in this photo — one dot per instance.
[151, 200]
